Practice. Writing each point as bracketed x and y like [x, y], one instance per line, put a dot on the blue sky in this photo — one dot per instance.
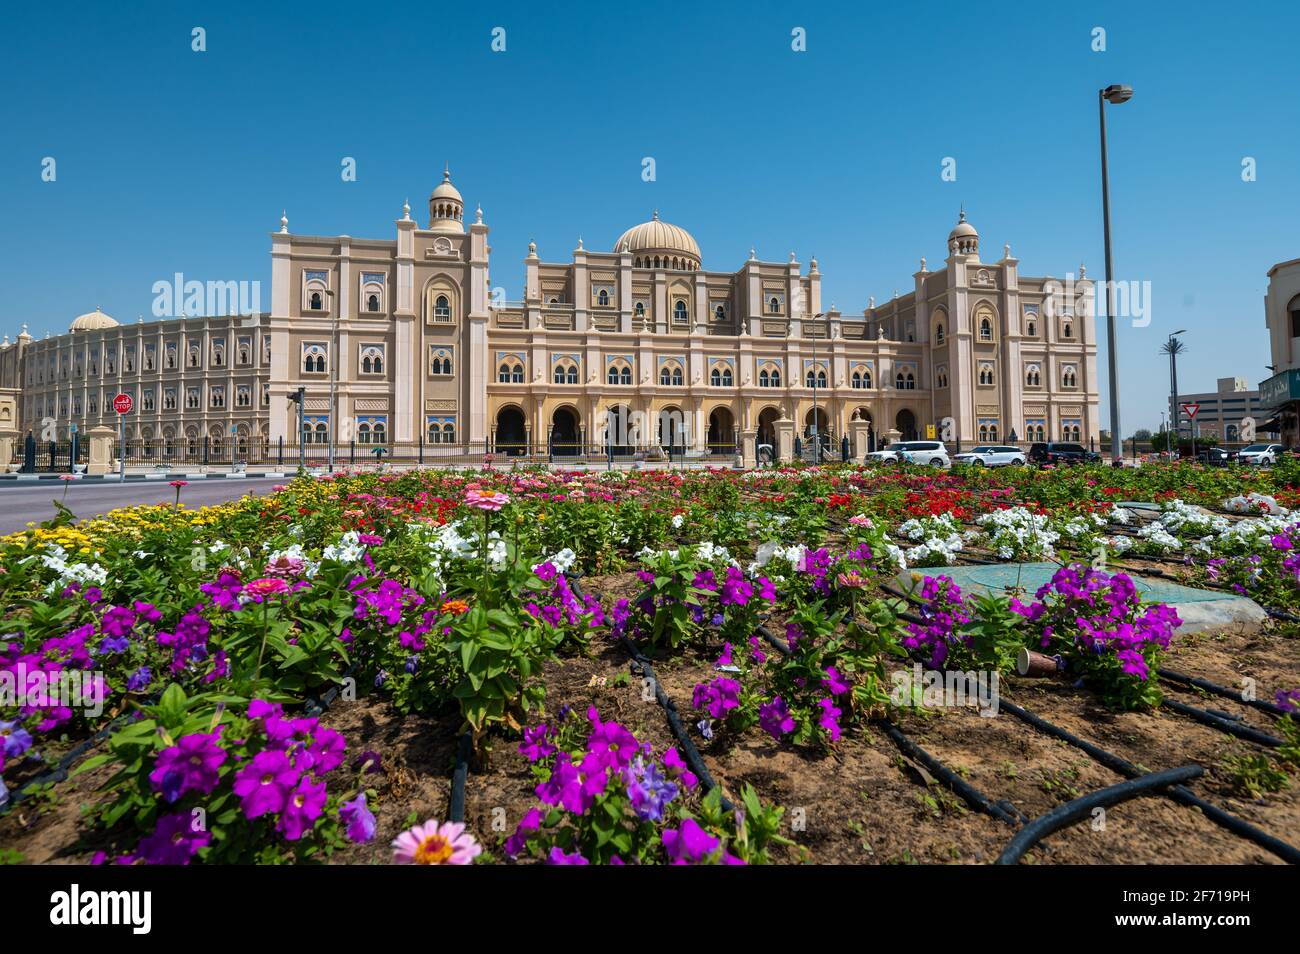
[170, 160]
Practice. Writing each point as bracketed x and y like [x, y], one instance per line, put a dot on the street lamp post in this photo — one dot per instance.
[816, 431]
[1114, 94]
[334, 372]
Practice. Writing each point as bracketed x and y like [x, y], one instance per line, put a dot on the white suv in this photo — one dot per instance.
[992, 455]
[930, 453]
[1261, 453]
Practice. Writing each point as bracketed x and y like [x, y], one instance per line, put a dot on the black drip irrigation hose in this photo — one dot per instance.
[1218, 690]
[60, 771]
[691, 753]
[1178, 793]
[1222, 724]
[1080, 808]
[1002, 810]
[464, 750]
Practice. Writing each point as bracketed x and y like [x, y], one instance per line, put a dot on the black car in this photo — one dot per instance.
[1215, 457]
[1060, 453]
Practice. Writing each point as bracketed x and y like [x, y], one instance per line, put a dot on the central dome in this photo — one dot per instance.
[669, 241]
[92, 321]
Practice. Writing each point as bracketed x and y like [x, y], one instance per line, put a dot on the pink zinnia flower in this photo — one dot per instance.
[434, 844]
[486, 500]
[265, 588]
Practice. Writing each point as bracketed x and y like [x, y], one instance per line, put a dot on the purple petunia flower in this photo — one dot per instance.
[688, 844]
[358, 819]
[648, 790]
[174, 841]
[558, 857]
[678, 769]
[535, 746]
[303, 806]
[830, 718]
[14, 741]
[188, 766]
[519, 840]
[264, 784]
[834, 682]
[775, 719]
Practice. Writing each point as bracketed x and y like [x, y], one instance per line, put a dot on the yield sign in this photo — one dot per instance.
[1190, 409]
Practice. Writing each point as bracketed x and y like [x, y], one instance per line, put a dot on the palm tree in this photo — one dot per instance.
[1173, 347]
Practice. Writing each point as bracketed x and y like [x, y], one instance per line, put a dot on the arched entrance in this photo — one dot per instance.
[671, 430]
[565, 436]
[905, 421]
[619, 438]
[510, 437]
[816, 422]
[766, 436]
[722, 431]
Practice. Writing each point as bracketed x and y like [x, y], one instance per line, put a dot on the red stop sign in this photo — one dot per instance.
[123, 404]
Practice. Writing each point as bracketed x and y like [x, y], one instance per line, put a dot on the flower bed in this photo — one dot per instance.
[191, 650]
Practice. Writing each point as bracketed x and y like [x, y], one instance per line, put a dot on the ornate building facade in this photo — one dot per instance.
[633, 347]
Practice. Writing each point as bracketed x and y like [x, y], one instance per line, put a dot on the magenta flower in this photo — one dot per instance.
[775, 719]
[678, 769]
[264, 784]
[265, 588]
[834, 682]
[610, 742]
[301, 809]
[188, 766]
[175, 840]
[519, 840]
[718, 697]
[535, 746]
[830, 718]
[688, 844]
[558, 857]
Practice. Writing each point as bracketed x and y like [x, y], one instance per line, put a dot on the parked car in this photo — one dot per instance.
[992, 455]
[1261, 454]
[1216, 457]
[1062, 453]
[931, 453]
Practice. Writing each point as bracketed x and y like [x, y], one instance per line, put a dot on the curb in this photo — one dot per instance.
[135, 478]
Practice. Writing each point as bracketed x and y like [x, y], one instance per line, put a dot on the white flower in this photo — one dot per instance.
[678, 520]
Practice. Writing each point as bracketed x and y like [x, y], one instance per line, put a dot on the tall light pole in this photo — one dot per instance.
[1114, 94]
[334, 371]
[1173, 347]
[816, 431]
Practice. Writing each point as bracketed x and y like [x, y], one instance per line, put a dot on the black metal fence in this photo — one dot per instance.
[54, 456]
[209, 452]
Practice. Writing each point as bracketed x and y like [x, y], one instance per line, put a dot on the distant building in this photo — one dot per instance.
[1281, 393]
[641, 341]
[1228, 412]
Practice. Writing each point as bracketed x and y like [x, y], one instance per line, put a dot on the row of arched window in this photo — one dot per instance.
[665, 261]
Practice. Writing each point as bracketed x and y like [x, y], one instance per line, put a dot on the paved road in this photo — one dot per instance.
[24, 501]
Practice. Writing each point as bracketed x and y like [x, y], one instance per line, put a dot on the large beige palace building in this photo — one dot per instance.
[636, 346]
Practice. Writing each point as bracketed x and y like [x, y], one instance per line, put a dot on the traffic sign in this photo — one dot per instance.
[930, 431]
[1190, 409]
[123, 404]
